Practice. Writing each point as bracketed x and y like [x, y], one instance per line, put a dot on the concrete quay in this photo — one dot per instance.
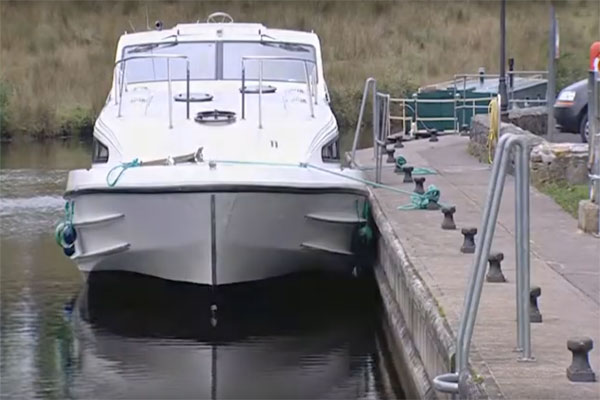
[422, 276]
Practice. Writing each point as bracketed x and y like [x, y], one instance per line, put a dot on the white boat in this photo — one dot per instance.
[194, 179]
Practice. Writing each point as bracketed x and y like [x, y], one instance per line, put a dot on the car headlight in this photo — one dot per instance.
[567, 95]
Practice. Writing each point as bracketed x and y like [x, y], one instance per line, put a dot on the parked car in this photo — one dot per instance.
[570, 109]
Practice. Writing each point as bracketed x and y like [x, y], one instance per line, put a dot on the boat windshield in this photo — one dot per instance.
[204, 66]
[201, 56]
[273, 70]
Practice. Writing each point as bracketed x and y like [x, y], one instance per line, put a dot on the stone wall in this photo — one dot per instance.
[550, 162]
[531, 119]
[421, 337]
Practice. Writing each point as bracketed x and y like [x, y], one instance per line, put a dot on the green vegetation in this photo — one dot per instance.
[566, 195]
[56, 57]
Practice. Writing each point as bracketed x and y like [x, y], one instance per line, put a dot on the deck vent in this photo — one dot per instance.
[215, 117]
[253, 89]
[194, 97]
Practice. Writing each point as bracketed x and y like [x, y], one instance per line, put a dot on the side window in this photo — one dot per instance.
[331, 151]
[99, 152]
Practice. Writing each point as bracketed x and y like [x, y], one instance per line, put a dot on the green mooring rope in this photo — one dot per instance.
[122, 168]
[421, 201]
[365, 231]
[418, 201]
[400, 162]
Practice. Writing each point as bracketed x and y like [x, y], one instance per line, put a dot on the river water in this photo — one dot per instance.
[120, 336]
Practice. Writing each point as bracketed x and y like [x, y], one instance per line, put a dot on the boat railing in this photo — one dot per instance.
[120, 81]
[311, 86]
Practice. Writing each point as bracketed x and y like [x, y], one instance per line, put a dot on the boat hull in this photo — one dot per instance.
[217, 237]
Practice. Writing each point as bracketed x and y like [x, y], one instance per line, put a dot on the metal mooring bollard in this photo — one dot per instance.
[448, 222]
[419, 185]
[495, 271]
[534, 311]
[399, 144]
[390, 154]
[407, 174]
[433, 135]
[468, 246]
[390, 140]
[580, 370]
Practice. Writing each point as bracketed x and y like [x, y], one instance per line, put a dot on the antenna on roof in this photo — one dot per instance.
[132, 27]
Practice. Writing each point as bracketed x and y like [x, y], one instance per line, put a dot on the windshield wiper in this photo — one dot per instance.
[287, 46]
[142, 48]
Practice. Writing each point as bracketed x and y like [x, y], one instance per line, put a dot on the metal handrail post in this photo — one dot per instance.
[518, 254]
[170, 94]
[375, 120]
[368, 83]
[484, 244]
[260, 79]
[121, 89]
[243, 90]
[498, 169]
[525, 250]
[464, 119]
[376, 129]
[309, 90]
[187, 84]
[116, 80]
[594, 137]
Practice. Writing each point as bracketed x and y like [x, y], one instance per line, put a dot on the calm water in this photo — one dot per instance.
[128, 337]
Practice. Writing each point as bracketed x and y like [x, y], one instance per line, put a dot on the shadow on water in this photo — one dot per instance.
[301, 337]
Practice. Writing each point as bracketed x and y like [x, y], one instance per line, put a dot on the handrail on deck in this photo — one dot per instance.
[168, 57]
[311, 87]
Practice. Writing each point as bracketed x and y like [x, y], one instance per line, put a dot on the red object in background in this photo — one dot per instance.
[595, 56]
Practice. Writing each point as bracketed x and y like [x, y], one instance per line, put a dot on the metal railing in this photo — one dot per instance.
[380, 103]
[413, 105]
[455, 382]
[311, 87]
[120, 83]
[510, 79]
[594, 137]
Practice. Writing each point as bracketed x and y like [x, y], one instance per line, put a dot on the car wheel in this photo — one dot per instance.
[584, 128]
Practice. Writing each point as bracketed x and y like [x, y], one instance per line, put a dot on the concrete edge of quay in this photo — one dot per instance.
[423, 340]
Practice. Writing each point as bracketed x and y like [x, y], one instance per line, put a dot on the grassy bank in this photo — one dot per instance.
[56, 56]
[566, 195]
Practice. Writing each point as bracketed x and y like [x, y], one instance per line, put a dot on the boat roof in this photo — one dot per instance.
[234, 31]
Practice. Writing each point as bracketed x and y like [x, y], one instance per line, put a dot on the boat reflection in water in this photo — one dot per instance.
[311, 337]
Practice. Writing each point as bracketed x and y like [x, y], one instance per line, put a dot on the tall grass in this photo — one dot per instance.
[56, 57]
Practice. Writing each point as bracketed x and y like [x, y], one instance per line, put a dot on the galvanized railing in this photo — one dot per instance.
[121, 83]
[419, 121]
[381, 124]
[455, 382]
[311, 86]
[594, 137]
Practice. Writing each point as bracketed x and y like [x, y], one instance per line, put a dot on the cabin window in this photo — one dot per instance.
[331, 151]
[99, 152]
[273, 70]
[201, 55]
